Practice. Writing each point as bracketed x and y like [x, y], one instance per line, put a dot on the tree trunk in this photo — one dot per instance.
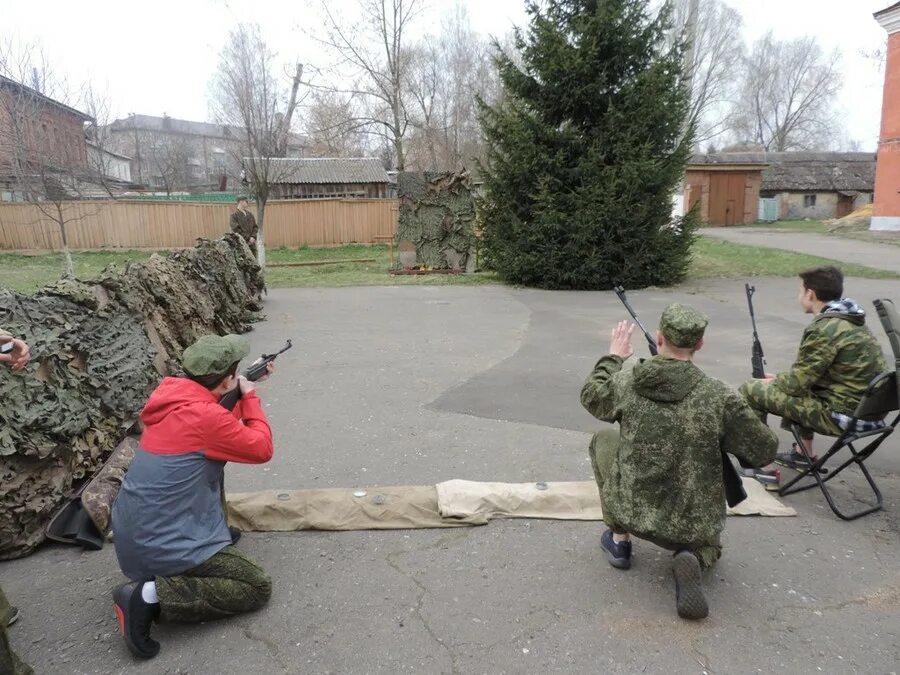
[260, 237]
[67, 254]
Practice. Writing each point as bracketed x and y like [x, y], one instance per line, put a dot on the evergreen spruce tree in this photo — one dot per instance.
[586, 149]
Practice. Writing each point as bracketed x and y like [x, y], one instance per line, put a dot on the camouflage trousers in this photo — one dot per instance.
[229, 583]
[10, 664]
[811, 414]
[602, 455]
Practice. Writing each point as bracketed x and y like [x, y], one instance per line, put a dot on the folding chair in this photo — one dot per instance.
[868, 422]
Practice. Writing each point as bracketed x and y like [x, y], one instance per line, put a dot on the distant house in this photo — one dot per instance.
[310, 178]
[109, 164]
[819, 185]
[37, 133]
[182, 155]
[816, 185]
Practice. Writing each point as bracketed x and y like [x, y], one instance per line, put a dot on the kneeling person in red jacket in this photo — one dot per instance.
[171, 535]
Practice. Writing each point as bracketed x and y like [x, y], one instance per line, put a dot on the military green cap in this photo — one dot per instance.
[214, 354]
[682, 325]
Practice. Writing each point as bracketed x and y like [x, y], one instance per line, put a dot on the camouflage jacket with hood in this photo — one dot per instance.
[837, 359]
[674, 422]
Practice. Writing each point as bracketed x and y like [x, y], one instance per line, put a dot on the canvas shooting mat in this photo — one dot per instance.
[453, 503]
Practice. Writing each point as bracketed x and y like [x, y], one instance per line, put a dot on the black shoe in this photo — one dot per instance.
[797, 460]
[14, 615]
[689, 600]
[619, 555]
[235, 535]
[135, 617]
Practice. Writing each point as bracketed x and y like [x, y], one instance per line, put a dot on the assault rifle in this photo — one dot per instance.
[757, 360]
[651, 343]
[253, 373]
[734, 488]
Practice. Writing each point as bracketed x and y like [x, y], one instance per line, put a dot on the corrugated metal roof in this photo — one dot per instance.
[326, 170]
[804, 171]
[886, 10]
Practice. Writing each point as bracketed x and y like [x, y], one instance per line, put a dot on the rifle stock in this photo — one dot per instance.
[734, 488]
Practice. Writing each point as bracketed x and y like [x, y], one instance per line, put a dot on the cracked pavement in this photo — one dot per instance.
[415, 385]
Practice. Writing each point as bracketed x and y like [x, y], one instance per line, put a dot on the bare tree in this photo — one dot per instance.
[96, 104]
[43, 153]
[250, 94]
[787, 94]
[447, 73]
[373, 55]
[170, 158]
[332, 127]
[715, 53]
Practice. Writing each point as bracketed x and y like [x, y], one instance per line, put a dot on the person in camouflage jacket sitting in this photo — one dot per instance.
[837, 359]
[662, 481]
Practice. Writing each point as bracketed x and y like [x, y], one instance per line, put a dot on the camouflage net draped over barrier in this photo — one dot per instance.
[98, 349]
[437, 214]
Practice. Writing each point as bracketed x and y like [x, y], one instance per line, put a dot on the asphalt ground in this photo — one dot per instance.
[416, 385]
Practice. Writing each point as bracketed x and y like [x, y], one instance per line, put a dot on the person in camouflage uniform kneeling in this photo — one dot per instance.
[662, 480]
[837, 359]
[170, 530]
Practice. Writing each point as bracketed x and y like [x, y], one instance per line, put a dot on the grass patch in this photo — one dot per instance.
[712, 258]
[29, 272]
[722, 259]
[355, 274]
[795, 226]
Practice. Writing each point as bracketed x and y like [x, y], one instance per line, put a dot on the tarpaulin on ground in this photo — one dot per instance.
[98, 349]
[449, 504]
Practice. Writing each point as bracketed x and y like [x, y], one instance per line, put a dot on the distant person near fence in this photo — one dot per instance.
[243, 222]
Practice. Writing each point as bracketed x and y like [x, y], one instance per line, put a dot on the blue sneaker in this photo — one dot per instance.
[619, 555]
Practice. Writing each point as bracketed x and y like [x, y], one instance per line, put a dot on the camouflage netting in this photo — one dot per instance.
[437, 214]
[98, 349]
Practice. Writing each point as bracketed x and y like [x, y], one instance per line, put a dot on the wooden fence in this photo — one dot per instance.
[158, 225]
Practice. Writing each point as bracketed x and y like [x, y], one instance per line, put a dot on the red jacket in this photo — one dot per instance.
[182, 416]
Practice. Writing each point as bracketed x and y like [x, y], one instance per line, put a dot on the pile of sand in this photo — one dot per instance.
[860, 219]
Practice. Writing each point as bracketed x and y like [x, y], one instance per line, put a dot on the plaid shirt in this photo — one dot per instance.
[854, 424]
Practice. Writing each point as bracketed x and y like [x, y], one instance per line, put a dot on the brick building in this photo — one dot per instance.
[37, 134]
[886, 213]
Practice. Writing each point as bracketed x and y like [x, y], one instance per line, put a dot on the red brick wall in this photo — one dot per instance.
[50, 134]
[887, 177]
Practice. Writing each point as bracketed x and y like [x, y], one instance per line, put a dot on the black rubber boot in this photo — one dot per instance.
[135, 618]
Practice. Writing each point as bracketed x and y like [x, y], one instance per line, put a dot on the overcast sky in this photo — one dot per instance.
[158, 57]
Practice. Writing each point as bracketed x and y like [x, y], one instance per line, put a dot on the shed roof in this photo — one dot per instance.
[804, 171]
[327, 170]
